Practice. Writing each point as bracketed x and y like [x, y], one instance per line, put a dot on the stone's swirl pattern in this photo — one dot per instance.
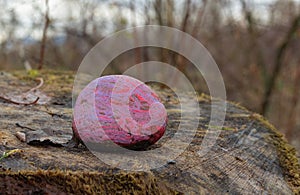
[121, 109]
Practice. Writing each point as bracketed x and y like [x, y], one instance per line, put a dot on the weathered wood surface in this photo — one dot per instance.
[249, 157]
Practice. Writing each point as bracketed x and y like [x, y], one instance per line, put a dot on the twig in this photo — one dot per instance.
[39, 85]
[24, 103]
[20, 103]
[52, 114]
[24, 127]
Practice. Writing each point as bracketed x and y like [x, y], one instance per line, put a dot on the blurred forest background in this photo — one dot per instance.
[256, 43]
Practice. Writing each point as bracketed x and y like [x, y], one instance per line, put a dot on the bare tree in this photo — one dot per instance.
[295, 25]
[44, 37]
[199, 19]
[292, 116]
[254, 43]
[158, 8]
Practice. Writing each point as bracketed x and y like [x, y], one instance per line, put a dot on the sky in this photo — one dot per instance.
[30, 13]
[60, 11]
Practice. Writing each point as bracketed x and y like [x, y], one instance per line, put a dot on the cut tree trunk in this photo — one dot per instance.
[249, 157]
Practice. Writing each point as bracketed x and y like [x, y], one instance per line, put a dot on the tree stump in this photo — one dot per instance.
[249, 157]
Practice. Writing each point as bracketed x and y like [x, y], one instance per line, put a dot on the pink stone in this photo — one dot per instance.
[121, 109]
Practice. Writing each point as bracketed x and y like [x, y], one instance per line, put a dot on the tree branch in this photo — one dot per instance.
[278, 64]
[20, 103]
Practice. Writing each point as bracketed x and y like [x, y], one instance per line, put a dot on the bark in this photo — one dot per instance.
[249, 156]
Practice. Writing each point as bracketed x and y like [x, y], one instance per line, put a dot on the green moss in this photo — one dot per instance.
[49, 76]
[60, 82]
[286, 154]
[221, 128]
[204, 98]
[85, 182]
[33, 73]
[238, 105]
[264, 122]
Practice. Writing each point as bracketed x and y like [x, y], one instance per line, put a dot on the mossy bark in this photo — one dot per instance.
[250, 156]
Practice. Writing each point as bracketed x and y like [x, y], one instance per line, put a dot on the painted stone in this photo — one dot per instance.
[121, 109]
